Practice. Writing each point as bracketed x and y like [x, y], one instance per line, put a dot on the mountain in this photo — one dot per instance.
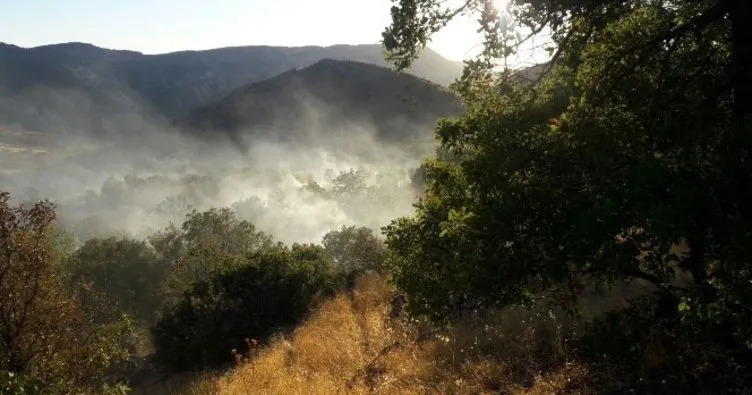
[332, 99]
[78, 86]
[182, 81]
[62, 88]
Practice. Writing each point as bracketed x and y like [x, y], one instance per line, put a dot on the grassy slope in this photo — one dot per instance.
[349, 346]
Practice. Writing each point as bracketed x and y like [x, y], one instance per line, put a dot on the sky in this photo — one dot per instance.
[159, 26]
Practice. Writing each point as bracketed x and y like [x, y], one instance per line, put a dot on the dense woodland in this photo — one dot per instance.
[586, 232]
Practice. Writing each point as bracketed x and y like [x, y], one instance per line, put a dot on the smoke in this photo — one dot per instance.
[134, 174]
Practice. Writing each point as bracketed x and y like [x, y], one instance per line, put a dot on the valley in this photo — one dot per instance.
[565, 211]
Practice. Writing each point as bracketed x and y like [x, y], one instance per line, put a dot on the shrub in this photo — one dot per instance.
[207, 243]
[49, 341]
[273, 288]
[127, 272]
[651, 347]
[355, 249]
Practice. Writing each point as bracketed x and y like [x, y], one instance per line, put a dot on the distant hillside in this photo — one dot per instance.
[330, 99]
[182, 81]
[79, 86]
[63, 88]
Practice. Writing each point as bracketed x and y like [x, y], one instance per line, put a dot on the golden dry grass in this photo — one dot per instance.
[349, 346]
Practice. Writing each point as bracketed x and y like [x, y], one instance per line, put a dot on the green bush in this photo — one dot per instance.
[653, 347]
[273, 288]
[355, 249]
[52, 337]
[18, 384]
[206, 244]
[128, 272]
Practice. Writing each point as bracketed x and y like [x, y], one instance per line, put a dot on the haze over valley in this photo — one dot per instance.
[126, 143]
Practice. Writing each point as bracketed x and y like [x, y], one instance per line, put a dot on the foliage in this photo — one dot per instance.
[648, 348]
[48, 341]
[349, 182]
[62, 243]
[272, 288]
[207, 243]
[628, 159]
[365, 196]
[127, 271]
[355, 249]
[18, 384]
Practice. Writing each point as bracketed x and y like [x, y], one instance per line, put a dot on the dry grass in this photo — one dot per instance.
[184, 384]
[349, 346]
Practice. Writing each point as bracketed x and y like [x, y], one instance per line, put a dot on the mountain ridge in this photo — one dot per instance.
[339, 95]
[40, 87]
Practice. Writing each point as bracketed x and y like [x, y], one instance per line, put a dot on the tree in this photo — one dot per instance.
[128, 272]
[349, 183]
[48, 341]
[628, 159]
[272, 289]
[355, 249]
[206, 243]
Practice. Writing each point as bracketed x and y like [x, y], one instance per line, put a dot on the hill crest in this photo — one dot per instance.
[76, 87]
[336, 95]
